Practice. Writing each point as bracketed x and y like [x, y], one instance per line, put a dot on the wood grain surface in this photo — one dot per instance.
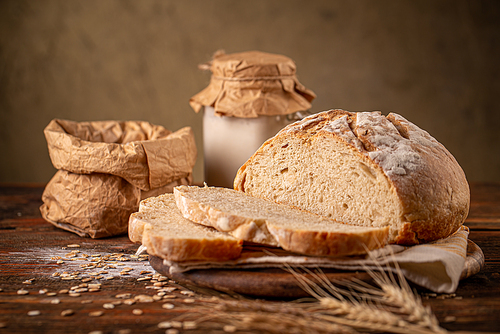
[29, 248]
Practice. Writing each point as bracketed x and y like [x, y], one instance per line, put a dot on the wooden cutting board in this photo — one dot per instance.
[278, 283]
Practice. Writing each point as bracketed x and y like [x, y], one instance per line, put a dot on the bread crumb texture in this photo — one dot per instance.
[363, 169]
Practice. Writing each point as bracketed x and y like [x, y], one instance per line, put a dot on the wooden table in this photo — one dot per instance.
[124, 297]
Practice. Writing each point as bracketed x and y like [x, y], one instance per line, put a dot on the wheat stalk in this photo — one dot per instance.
[344, 307]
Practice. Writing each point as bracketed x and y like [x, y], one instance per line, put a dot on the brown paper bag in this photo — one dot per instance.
[107, 167]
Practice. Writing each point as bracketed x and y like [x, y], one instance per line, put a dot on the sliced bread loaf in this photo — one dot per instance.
[364, 169]
[161, 228]
[265, 222]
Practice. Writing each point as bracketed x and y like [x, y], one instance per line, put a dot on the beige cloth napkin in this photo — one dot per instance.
[436, 266]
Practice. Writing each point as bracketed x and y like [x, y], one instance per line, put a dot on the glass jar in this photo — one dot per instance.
[251, 96]
[228, 142]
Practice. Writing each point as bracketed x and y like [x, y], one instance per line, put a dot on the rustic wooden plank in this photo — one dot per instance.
[27, 244]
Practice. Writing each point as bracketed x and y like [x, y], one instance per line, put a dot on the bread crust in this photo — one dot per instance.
[169, 246]
[314, 241]
[430, 186]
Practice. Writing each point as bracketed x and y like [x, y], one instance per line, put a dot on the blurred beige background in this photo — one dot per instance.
[436, 62]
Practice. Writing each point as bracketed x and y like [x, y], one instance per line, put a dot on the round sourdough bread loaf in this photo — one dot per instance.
[363, 169]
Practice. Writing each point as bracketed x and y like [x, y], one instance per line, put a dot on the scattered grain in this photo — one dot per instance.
[22, 292]
[51, 294]
[64, 291]
[96, 313]
[171, 331]
[137, 311]
[229, 329]
[108, 306]
[42, 291]
[169, 297]
[74, 294]
[188, 300]
[34, 313]
[68, 312]
[143, 299]
[123, 296]
[55, 301]
[168, 306]
[73, 246]
[124, 331]
[165, 324]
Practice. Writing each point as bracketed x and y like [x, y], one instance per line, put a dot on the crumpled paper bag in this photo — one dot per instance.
[106, 167]
[436, 266]
[253, 83]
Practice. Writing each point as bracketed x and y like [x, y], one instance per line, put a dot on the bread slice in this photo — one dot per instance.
[265, 222]
[161, 228]
[365, 169]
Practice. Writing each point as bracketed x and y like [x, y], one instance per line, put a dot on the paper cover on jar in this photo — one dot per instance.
[253, 83]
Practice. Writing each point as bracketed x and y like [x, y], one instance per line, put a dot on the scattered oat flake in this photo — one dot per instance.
[129, 301]
[73, 246]
[34, 313]
[42, 291]
[189, 300]
[144, 299]
[86, 279]
[108, 306]
[51, 294]
[168, 306]
[170, 297]
[229, 329]
[123, 295]
[172, 331]
[124, 331]
[74, 294]
[137, 311]
[22, 292]
[67, 312]
[96, 313]
[86, 301]
[96, 332]
[165, 324]
[55, 301]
